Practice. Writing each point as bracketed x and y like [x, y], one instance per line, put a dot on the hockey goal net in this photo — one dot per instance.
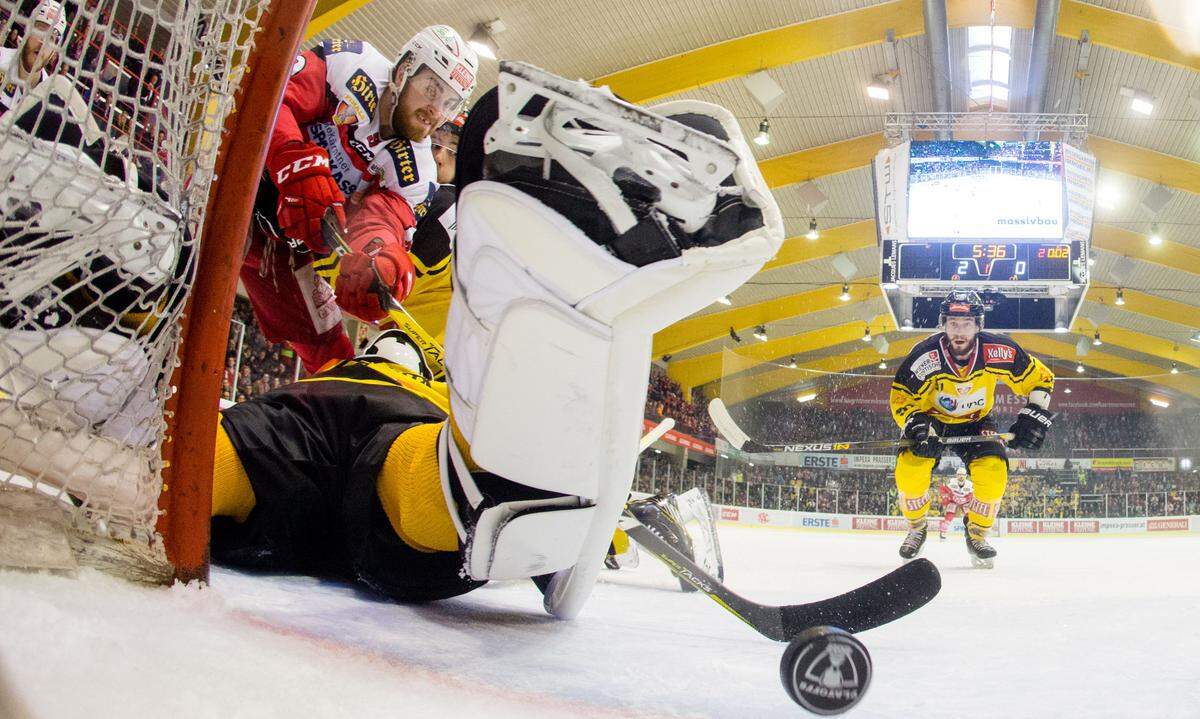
[127, 167]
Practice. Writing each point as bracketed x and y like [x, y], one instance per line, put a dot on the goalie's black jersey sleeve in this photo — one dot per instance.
[313, 452]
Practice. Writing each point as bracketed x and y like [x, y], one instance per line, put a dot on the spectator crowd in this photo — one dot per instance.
[263, 366]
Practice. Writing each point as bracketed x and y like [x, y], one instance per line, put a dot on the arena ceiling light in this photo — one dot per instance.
[1140, 101]
[1174, 368]
[812, 233]
[1096, 342]
[1066, 390]
[882, 364]
[845, 296]
[866, 335]
[482, 40]
[763, 138]
[1079, 368]
[792, 364]
[760, 333]
[1108, 196]
[1160, 402]
[1185, 463]
[1120, 297]
[1155, 237]
[880, 87]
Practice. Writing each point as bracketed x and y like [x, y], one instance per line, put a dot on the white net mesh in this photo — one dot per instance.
[108, 138]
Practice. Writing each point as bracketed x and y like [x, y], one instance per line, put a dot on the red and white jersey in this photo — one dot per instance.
[332, 100]
[953, 496]
[12, 87]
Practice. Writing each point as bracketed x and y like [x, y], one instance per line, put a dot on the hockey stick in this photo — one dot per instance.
[737, 437]
[655, 433]
[894, 595]
[335, 238]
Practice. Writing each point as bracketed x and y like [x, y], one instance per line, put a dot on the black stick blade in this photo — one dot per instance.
[886, 599]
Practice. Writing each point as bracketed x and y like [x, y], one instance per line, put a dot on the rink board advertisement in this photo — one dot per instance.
[757, 517]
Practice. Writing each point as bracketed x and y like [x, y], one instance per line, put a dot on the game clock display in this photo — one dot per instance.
[982, 261]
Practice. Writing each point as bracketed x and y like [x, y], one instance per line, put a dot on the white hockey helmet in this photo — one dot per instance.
[50, 14]
[441, 49]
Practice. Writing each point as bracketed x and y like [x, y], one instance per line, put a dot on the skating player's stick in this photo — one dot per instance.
[734, 434]
[886, 599]
[435, 356]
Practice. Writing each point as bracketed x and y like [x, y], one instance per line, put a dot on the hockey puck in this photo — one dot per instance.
[826, 670]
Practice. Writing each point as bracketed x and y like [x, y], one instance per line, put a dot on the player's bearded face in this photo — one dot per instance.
[961, 332]
[425, 103]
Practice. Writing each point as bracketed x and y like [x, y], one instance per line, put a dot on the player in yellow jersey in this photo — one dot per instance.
[945, 388]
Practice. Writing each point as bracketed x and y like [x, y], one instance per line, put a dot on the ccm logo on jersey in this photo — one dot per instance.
[926, 365]
[999, 353]
[300, 165]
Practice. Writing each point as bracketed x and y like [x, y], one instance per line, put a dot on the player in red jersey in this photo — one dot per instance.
[956, 496]
[353, 124]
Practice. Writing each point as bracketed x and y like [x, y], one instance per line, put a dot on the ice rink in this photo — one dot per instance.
[1064, 626]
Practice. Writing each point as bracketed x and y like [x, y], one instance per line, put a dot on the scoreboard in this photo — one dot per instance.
[1011, 220]
[987, 262]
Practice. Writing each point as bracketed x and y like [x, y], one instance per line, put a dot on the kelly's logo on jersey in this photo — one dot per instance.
[402, 158]
[999, 353]
[362, 90]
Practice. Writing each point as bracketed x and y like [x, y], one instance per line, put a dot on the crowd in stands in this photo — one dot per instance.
[263, 367]
[1031, 494]
[664, 398]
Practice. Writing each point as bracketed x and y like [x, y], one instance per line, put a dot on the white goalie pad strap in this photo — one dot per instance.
[518, 540]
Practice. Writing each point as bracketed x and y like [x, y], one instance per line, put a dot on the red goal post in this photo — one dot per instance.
[188, 455]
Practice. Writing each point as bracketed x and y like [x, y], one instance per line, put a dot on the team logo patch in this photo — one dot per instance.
[362, 90]
[464, 77]
[926, 365]
[345, 114]
[993, 354]
[947, 403]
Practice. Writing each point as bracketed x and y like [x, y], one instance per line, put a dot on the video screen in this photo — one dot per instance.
[985, 190]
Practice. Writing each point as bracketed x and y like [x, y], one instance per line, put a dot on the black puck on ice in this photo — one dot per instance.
[826, 670]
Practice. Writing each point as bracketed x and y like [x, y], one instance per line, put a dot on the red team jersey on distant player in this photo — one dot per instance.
[950, 496]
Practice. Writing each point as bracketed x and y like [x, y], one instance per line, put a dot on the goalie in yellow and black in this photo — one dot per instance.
[946, 388]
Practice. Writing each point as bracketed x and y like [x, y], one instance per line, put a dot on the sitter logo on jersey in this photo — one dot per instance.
[993, 354]
[362, 90]
[929, 363]
[402, 160]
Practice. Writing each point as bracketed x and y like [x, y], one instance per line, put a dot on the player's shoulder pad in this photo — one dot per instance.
[356, 80]
[999, 349]
[923, 360]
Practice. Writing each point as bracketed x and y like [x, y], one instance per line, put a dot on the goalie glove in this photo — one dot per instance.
[369, 280]
[1030, 428]
[306, 189]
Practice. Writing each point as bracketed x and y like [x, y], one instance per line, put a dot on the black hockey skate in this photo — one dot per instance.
[982, 553]
[914, 540]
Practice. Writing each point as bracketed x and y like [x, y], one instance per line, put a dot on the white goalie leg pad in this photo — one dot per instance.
[549, 334]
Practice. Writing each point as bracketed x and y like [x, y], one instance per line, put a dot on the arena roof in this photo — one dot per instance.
[826, 130]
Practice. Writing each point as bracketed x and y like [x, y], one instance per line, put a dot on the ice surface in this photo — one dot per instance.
[1070, 626]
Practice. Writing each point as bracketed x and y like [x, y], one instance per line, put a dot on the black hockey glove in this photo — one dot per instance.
[1030, 428]
[920, 430]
